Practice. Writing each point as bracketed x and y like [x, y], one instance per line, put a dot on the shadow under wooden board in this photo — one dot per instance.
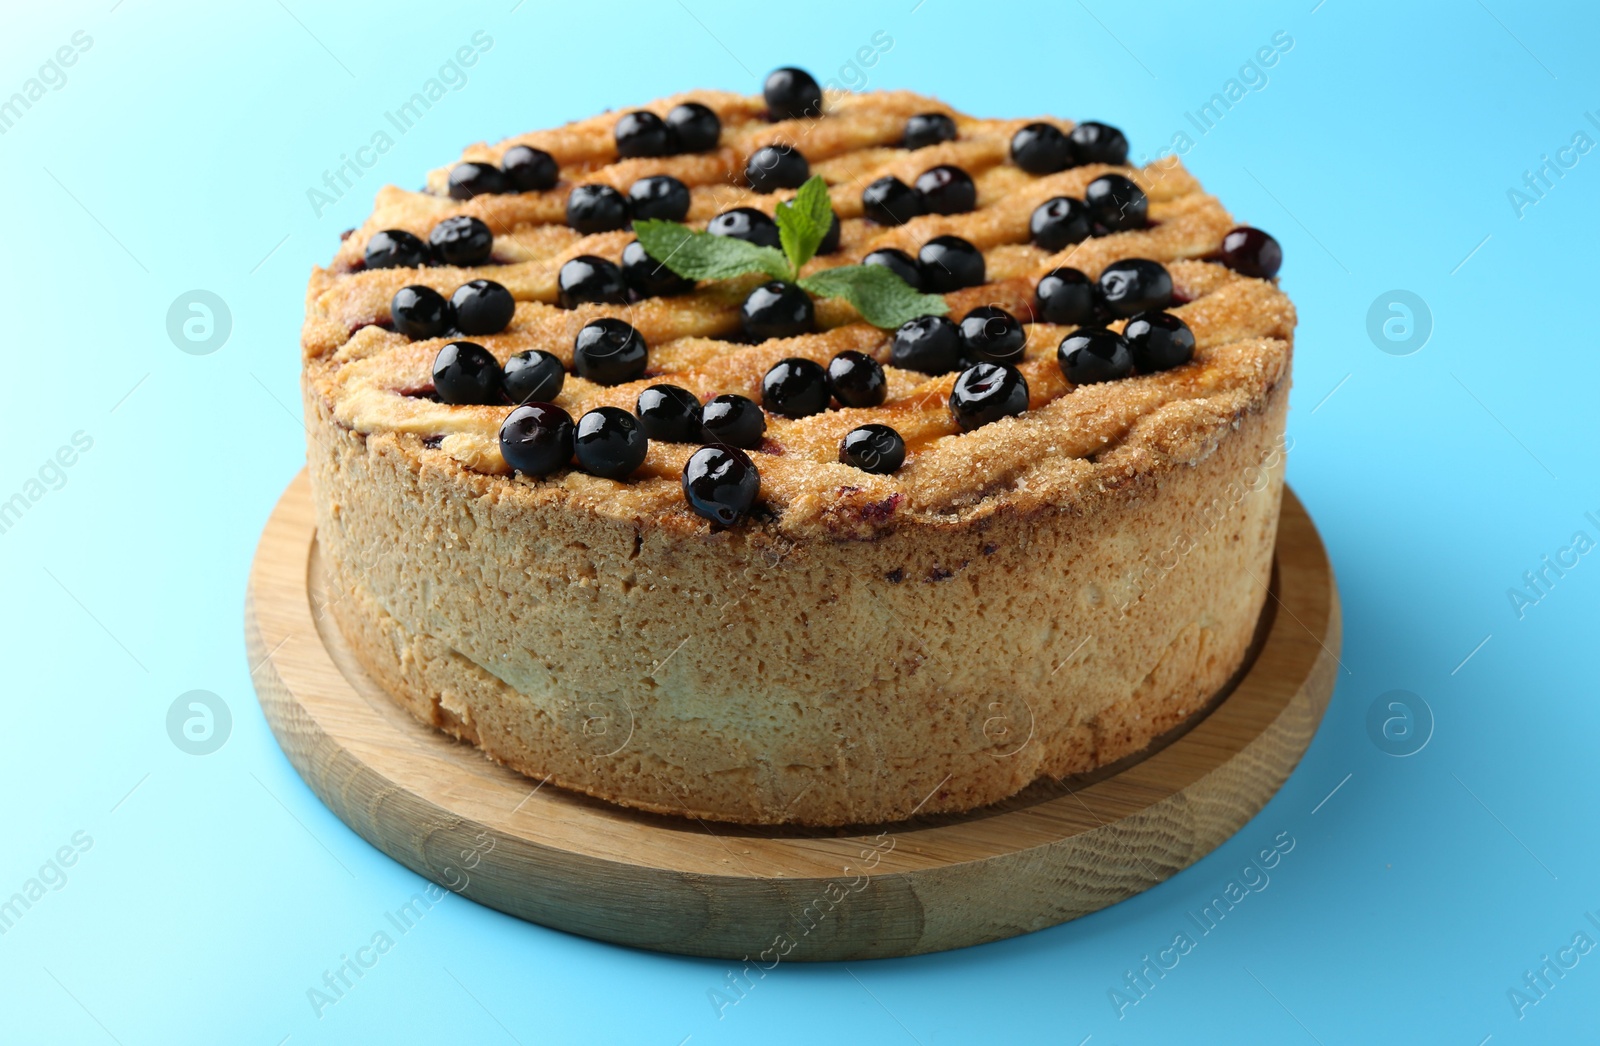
[1057, 851]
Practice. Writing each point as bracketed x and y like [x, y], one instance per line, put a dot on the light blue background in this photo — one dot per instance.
[217, 890]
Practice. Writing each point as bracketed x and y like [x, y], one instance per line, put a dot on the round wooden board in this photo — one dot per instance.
[1058, 851]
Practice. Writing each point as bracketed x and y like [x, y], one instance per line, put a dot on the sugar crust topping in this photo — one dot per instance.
[1073, 443]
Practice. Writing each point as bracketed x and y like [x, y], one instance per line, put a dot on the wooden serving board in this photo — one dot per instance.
[1058, 851]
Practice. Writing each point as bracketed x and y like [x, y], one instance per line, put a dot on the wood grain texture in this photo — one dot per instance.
[1057, 851]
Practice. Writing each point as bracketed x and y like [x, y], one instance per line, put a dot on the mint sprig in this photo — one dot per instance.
[882, 298]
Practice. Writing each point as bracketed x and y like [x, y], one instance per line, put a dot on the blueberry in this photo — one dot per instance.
[898, 262]
[643, 133]
[889, 201]
[928, 129]
[830, 239]
[530, 170]
[1116, 203]
[536, 439]
[1041, 148]
[989, 333]
[1095, 142]
[658, 196]
[947, 189]
[647, 277]
[420, 312]
[857, 380]
[733, 419]
[721, 484]
[466, 372]
[747, 224]
[669, 413]
[777, 310]
[873, 448]
[987, 392]
[462, 240]
[609, 351]
[534, 376]
[1059, 223]
[1064, 296]
[475, 179]
[482, 307]
[1134, 285]
[791, 94]
[596, 208]
[1248, 251]
[396, 249]
[587, 278]
[609, 443]
[1158, 341]
[696, 126]
[774, 167]
[795, 388]
[930, 344]
[950, 263]
[1092, 354]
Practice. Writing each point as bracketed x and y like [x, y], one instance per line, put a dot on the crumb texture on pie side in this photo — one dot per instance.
[832, 660]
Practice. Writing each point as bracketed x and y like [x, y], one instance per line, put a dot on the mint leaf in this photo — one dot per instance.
[804, 221]
[882, 298]
[701, 256]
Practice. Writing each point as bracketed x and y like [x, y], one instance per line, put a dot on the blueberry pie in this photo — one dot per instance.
[717, 545]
